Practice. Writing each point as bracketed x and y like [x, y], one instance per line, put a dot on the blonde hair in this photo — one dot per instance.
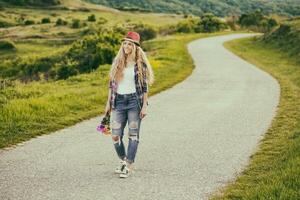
[119, 63]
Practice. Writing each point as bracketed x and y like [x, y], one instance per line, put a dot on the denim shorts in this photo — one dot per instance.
[127, 110]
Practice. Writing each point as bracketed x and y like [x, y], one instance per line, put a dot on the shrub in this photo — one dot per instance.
[167, 30]
[92, 18]
[89, 30]
[29, 22]
[4, 24]
[60, 22]
[75, 23]
[84, 24]
[7, 45]
[257, 21]
[45, 20]
[66, 69]
[188, 25]
[211, 23]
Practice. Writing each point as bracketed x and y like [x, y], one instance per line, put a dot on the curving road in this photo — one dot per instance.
[197, 136]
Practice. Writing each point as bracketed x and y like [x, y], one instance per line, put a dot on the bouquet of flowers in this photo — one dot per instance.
[104, 126]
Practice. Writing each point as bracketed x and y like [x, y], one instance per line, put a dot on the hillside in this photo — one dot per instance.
[31, 2]
[220, 8]
[286, 38]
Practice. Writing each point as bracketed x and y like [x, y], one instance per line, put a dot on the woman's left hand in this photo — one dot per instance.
[143, 112]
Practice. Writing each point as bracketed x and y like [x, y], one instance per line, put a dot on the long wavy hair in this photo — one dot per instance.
[119, 63]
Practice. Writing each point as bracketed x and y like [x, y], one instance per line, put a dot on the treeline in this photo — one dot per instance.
[208, 22]
[219, 8]
[31, 2]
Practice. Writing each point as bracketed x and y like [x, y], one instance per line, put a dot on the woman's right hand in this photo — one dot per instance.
[107, 108]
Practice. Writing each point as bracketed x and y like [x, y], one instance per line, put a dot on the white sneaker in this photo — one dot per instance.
[118, 169]
[124, 172]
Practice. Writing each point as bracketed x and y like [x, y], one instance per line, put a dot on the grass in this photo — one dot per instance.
[27, 111]
[273, 171]
[33, 49]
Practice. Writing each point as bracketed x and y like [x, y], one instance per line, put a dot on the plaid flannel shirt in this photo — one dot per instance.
[139, 90]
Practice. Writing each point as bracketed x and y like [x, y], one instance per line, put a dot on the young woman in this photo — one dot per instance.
[130, 76]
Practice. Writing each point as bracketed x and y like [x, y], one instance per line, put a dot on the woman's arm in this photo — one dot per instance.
[143, 112]
[145, 104]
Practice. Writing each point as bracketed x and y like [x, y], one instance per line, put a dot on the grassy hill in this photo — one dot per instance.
[13, 17]
[32, 2]
[218, 7]
[286, 38]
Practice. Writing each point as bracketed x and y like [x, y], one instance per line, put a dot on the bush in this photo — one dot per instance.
[75, 23]
[90, 30]
[60, 22]
[94, 50]
[4, 24]
[29, 68]
[45, 20]
[188, 25]
[92, 18]
[66, 69]
[167, 30]
[84, 24]
[256, 21]
[211, 23]
[7, 45]
[29, 22]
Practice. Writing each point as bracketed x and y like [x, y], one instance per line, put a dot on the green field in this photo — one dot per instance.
[273, 171]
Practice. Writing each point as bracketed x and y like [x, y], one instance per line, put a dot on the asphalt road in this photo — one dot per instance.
[197, 136]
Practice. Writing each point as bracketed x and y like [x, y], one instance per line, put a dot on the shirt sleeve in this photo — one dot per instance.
[145, 85]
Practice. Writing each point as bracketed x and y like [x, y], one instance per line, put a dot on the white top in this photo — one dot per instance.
[127, 84]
